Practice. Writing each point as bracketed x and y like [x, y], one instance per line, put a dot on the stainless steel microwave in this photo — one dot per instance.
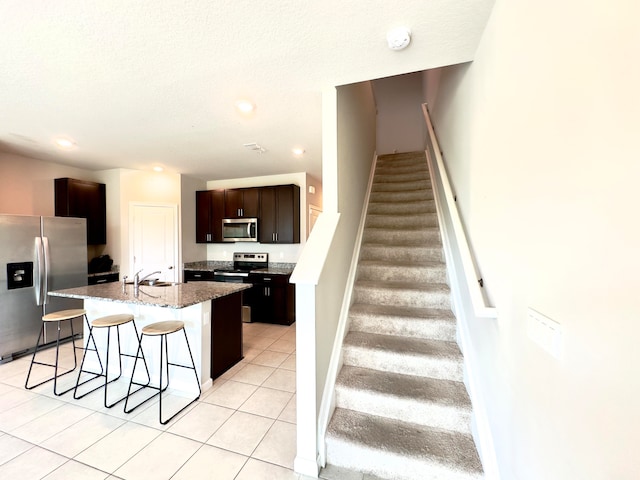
[240, 230]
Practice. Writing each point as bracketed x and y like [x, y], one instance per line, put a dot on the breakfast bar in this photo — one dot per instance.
[211, 312]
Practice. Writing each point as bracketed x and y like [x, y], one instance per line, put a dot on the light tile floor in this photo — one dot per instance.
[243, 427]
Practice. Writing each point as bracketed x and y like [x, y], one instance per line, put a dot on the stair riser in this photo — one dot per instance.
[422, 366]
[416, 328]
[415, 162]
[401, 254]
[402, 196]
[403, 208]
[407, 410]
[403, 273]
[401, 178]
[401, 186]
[385, 169]
[426, 220]
[422, 237]
[387, 464]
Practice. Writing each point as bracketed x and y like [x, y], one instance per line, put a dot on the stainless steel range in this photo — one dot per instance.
[243, 263]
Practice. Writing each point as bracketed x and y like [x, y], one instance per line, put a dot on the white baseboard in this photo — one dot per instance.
[306, 466]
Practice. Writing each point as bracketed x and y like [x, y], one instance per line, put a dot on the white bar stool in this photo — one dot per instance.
[60, 316]
[107, 322]
[162, 329]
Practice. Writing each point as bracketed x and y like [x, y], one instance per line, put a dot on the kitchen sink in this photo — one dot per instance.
[156, 283]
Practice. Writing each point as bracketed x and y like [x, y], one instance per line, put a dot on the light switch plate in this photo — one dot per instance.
[547, 333]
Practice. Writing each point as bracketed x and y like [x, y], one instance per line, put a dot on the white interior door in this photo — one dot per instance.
[314, 213]
[154, 240]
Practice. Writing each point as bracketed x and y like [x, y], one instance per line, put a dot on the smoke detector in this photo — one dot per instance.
[399, 38]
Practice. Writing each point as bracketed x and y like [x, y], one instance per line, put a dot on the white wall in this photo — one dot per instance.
[540, 140]
[399, 123]
[27, 188]
[348, 147]
[26, 184]
[191, 251]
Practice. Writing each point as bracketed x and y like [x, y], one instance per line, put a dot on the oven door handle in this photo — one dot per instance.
[231, 274]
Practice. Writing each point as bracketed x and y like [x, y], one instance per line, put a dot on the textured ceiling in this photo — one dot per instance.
[142, 83]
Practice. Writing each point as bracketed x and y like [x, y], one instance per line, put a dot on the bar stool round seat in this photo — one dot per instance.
[108, 322]
[64, 315]
[112, 320]
[59, 316]
[162, 330]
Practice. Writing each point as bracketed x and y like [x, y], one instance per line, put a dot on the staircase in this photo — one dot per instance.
[402, 411]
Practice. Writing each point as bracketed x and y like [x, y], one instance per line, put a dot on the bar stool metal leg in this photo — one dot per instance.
[107, 322]
[163, 329]
[64, 315]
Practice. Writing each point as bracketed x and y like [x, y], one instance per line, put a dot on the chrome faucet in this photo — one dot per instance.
[137, 280]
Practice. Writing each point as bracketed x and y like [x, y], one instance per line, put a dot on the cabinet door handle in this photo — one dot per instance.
[104, 280]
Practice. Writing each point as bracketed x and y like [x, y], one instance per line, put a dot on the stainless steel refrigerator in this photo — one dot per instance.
[38, 255]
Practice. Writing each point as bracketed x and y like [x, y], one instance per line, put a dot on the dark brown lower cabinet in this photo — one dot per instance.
[226, 333]
[272, 299]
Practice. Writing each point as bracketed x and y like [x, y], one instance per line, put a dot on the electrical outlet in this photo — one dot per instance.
[545, 332]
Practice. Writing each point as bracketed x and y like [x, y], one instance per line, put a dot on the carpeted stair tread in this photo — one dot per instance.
[401, 253]
[401, 450]
[414, 221]
[425, 288]
[400, 177]
[433, 323]
[416, 158]
[393, 271]
[436, 324]
[411, 356]
[405, 345]
[401, 208]
[427, 401]
[390, 169]
[408, 236]
[424, 295]
[400, 186]
[401, 196]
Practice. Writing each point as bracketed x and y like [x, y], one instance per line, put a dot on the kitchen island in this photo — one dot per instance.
[211, 312]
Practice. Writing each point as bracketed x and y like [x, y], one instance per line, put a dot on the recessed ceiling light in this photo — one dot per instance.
[158, 169]
[245, 106]
[64, 143]
[298, 151]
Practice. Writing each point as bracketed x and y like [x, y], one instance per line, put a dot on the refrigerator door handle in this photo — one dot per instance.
[47, 269]
[38, 277]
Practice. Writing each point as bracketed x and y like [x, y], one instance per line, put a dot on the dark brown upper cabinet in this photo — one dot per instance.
[279, 214]
[209, 215]
[84, 199]
[242, 202]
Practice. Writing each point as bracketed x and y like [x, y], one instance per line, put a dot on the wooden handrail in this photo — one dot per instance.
[473, 279]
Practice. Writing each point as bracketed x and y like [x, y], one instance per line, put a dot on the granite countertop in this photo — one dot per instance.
[275, 270]
[208, 265]
[174, 296]
[211, 265]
